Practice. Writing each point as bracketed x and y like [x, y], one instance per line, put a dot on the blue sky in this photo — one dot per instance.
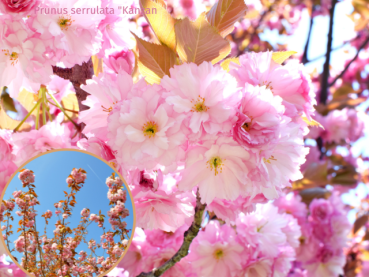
[51, 171]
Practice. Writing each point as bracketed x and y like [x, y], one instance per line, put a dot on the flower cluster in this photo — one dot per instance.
[59, 253]
[228, 136]
[324, 228]
[226, 139]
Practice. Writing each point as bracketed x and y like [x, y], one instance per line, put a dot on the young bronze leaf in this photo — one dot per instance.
[154, 60]
[198, 41]
[225, 13]
[359, 222]
[280, 57]
[161, 22]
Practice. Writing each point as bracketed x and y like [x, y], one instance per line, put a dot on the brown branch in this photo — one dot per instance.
[335, 49]
[307, 44]
[324, 80]
[78, 75]
[348, 65]
[189, 235]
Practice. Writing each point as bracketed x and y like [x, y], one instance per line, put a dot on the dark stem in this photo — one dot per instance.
[348, 65]
[334, 49]
[325, 76]
[189, 235]
[305, 55]
[78, 75]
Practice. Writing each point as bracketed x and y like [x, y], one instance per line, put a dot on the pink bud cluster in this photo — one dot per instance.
[77, 176]
[27, 176]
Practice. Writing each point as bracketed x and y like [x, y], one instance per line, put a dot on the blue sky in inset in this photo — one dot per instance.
[51, 171]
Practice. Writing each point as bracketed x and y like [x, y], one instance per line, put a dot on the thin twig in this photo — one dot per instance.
[348, 65]
[307, 44]
[325, 76]
[334, 49]
[189, 235]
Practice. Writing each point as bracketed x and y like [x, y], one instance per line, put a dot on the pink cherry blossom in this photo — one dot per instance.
[27, 176]
[259, 118]
[106, 91]
[292, 204]
[289, 81]
[219, 169]
[121, 60]
[320, 210]
[146, 180]
[257, 268]
[6, 145]
[215, 252]
[205, 93]
[229, 210]
[280, 164]
[326, 263]
[158, 210]
[96, 146]
[341, 125]
[115, 27]
[145, 131]
[74, 37]
[263, 229]
[18, 7]
[22, 61]
[50, 136]
[7, 168]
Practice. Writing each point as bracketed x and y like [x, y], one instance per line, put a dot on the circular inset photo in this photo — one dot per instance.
[67, 213]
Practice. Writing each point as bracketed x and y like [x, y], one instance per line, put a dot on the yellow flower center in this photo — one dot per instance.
[108, 110]
[267, 84]
[247, 125]
[270, 159]
[13, 56]
[215, 163]
[258, 229]
[218, 253]
[150, 129]
[199, 105]
[65, 22]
